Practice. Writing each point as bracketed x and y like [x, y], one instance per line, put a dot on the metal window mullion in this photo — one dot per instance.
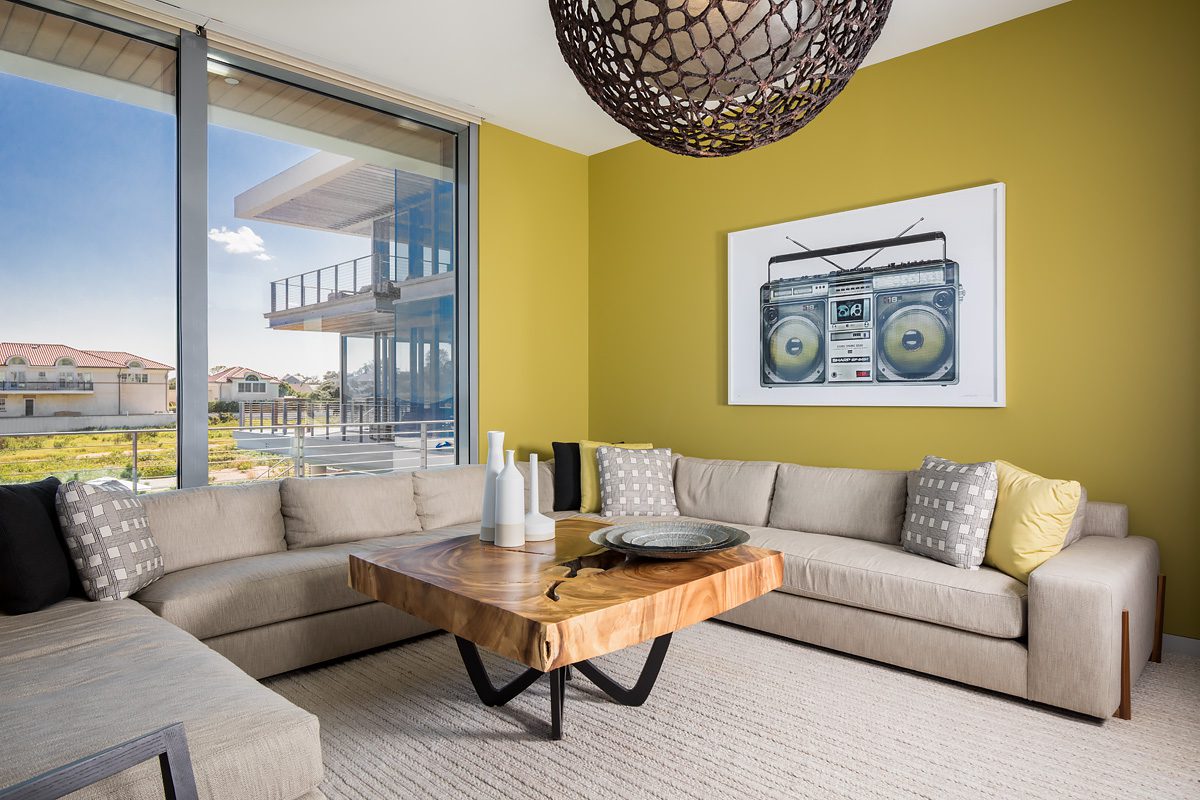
[466, 305]
[192, 221]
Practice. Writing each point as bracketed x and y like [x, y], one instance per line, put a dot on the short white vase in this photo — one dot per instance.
[495, 463]
[510, 504]
[538, 527]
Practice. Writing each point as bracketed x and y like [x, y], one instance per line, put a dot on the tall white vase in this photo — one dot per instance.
[538, 527]
[510, 504]
[495, 463]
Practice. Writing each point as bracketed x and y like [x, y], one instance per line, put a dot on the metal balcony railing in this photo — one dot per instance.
[46, 386]
[145, 458]
[348, 278]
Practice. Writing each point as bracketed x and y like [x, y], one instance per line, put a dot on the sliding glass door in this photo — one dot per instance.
[87, 252]
[311, 317]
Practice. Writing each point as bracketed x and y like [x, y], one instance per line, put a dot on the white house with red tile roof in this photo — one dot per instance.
[56, 380]
[243, 384]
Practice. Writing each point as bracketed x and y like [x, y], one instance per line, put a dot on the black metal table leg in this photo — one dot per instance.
[637, 694]
[632, 696]
[558, 689]
[477, 672]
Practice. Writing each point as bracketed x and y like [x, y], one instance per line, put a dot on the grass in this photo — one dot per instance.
[87, 455]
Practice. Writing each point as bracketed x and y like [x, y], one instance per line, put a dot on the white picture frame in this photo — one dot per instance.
[921, 323]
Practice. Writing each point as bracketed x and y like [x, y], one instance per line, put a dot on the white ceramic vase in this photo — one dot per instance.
[495, 463]
[538, 527]
[510, 504]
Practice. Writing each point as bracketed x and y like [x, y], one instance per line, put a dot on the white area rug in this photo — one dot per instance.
[736, 714]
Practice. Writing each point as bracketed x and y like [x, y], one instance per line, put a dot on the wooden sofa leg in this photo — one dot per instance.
[1159, 608]
[1124, 711]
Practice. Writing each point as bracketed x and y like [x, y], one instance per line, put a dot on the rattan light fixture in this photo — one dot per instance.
[715, 77]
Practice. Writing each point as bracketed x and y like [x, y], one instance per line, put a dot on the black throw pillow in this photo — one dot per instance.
[568, 495]
[34, 571]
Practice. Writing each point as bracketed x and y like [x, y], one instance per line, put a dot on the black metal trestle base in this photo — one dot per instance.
[632, 696]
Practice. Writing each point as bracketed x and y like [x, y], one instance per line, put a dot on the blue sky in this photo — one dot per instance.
[87, 233]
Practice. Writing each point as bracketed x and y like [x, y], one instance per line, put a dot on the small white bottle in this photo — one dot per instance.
[495, 463]
[538, 527]
[510, 504]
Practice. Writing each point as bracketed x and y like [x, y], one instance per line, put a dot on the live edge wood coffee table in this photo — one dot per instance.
[554, 605]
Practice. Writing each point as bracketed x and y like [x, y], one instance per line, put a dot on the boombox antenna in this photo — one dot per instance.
[897, 236]
[809, 249]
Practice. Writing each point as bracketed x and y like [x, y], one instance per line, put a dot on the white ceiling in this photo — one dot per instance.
[499, 59]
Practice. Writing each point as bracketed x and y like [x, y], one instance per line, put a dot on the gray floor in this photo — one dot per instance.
[738, 714]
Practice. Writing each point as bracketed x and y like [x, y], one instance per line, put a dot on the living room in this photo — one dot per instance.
[844, 283]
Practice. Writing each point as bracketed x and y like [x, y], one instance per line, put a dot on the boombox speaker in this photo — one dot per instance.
[794, 343]
[917, 332]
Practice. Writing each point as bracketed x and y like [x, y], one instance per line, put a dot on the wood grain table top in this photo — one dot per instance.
[550, 604]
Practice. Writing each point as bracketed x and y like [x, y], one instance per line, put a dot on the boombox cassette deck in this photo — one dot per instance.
[893, 324]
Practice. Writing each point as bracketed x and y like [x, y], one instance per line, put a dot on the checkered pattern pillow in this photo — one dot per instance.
[636, 483]
[108, 538]
[950, 511]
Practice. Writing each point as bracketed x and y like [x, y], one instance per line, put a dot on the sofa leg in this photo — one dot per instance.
[1124, 711]
[1159, 609]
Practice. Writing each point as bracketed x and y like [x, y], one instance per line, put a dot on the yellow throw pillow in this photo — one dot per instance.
[1030, 524]
[589, 473]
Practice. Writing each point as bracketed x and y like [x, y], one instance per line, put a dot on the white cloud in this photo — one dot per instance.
[243, 241]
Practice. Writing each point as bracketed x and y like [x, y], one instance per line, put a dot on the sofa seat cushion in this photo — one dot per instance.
[232, 596]
[883, 577]
[78, 677]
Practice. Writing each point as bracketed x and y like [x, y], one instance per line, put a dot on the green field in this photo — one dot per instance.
[87, 455]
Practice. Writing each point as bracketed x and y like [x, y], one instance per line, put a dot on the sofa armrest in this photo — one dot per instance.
[1075, 604]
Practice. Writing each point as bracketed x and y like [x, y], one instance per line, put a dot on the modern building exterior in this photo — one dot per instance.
[56, 380]
[393, 307]
[239, 384]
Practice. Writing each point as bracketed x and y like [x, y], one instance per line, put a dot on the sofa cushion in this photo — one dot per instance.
[79, 677]
[858, 503]
[209, 524]
[449, 496]
[949, 511]
[726, 491]
[323, 511]
[109, 539]
[636, 482]
[884, 577]
[1106, 519]
[216, 599]
[1078, 522]
[34, 570]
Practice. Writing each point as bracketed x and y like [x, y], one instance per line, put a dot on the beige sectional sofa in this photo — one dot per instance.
[258, 574]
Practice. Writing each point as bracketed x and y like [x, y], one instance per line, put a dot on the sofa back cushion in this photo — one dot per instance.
[727, 491]
[454, 495]
[859, 503]
[321, 511]
[215, 523]
[1106, 519]
[449, 496]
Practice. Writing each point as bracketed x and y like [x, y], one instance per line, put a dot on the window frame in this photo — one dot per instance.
[193, 53]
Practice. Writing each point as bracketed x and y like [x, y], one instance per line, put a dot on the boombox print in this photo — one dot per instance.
[893, 305]
[891, 324]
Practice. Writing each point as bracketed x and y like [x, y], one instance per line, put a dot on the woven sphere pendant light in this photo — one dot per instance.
[715, 77]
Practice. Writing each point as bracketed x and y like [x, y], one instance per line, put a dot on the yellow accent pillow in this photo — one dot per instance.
[589, 473]
[1030, 524]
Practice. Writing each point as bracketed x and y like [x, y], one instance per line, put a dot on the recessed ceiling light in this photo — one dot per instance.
[232, 81]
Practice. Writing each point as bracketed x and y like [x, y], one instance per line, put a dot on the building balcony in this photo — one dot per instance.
[44, 387]
[356, 296]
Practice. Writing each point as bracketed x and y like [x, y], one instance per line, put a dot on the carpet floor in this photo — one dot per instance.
[736, 714]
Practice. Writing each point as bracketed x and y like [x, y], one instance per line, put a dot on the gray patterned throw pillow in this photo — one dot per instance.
[949, 511]
[636, 483]
[108, 538]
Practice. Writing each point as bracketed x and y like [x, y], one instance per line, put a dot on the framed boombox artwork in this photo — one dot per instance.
[899, 304]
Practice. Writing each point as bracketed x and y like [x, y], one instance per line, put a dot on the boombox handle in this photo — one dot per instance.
[878, 244]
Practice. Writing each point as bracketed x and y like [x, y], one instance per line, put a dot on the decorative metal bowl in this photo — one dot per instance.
[669, 540]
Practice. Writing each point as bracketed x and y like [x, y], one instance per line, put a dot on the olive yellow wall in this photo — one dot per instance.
[533, 310]
[1088, 111]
